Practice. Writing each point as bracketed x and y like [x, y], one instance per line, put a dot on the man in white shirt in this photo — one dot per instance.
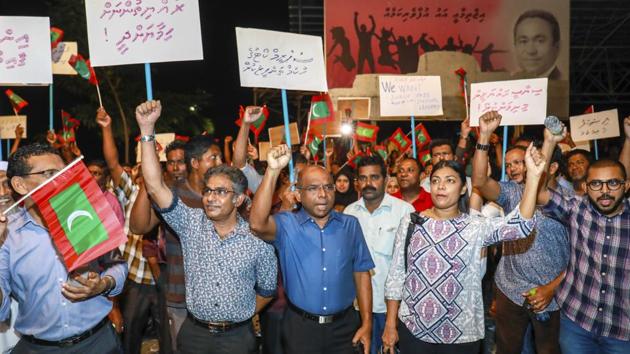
[379, 215]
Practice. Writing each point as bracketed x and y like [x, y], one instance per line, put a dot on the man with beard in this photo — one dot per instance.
[410, 189]
[324, 259]
[379, 215]
[594, 293]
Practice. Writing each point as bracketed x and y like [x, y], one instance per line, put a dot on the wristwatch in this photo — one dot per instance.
[150, 137]
[482, 147]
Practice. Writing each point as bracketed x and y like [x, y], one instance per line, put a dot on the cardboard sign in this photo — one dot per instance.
[353, 108]
[60, 56]
[599, 125]
[25, 51]
[162, 140]
[403, 95]
[276, 135]
[280, 60]
[520, 102]
[8, 124]
[263, 150]
[148, 31]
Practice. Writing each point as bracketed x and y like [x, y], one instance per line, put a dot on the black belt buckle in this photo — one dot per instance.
[218, 328]
[69, 342]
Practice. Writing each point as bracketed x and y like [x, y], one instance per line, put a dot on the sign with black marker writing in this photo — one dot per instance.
[409, 95]
[598, 125]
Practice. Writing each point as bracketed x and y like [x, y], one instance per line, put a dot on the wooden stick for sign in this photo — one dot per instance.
[98, 93]
[287, 133]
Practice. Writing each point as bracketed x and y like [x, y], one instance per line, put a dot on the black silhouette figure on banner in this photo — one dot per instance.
[467, 48]
[386, 57]
[408, 55]
[486, 63]
[426, 45]
[450, 45]
[365, 43]
[346, 59]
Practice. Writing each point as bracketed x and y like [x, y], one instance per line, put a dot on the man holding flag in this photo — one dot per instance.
[59, 313]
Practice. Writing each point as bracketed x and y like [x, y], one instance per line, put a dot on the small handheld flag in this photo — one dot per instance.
[366, 132]
[56, 35]
[422, 137]
[85, 70]
[257, 126]
[321, 109]
[400, 140]
[16, 101]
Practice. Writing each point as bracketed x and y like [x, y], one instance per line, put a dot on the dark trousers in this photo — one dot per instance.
[305, 336]
[512, 321]
[104, 341]
[271, 328]
[409, 344]
[195, 339]
[163, 330]
[138, 302]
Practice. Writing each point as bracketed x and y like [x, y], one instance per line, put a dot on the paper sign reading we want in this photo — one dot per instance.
[25, 51]
[280, 60]
[147, 31]
[402, 95]
[591, 126]
[520, 102]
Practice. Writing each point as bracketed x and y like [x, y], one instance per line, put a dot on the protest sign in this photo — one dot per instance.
[60, 56]
[263, 150]
[8, 124]
[591, 126]
[161, 141]
[280, 60]
[353, 108]
[148, 31]
[403, 95]
[276, 135]
[520, 102]
[25, 51]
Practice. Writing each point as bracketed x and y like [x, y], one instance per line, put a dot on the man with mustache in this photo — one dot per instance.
[379, 215]
[595, 292]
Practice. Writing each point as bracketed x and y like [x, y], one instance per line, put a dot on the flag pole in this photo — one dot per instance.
[287, 133]
[76, 161]
[413, 135]
[98, 93]
[505, 142]
[148, 82]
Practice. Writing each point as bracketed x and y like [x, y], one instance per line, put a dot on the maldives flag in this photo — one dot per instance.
[381, 151]
[83, 68]
[81, 222]
[425, 156]
[67, 136]
[354, 160]
[422, 137]
[56, 35]
[366, 132]
[321, 109]
[257, 126]
[68, 122]
[16, 101]
[400, 140]
[589, 109]
[313, 145]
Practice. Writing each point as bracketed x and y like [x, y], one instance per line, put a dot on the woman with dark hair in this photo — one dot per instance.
[345, 194]
[433, 289]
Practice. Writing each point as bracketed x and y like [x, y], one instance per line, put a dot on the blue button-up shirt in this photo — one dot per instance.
[318, 263]
[32, 273]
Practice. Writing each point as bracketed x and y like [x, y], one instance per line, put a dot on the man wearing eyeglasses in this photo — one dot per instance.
[230, 274]
[536, 262]
[595, 293]
[324, 259]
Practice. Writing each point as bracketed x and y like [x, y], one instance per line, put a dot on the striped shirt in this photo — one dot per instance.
[595, 293]
[139, 271]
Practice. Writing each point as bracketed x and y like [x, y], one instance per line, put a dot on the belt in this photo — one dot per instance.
[317, 318]
[217, 327]
[70, 341]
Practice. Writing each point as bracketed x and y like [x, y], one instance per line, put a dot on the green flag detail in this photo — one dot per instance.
[78, 219]
[320, 110]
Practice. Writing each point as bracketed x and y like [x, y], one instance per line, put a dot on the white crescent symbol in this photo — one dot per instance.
[75, 214]
[315, 112]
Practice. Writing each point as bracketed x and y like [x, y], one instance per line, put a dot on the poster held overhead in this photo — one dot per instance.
[406, 95]
[25, 57]
[592, 126]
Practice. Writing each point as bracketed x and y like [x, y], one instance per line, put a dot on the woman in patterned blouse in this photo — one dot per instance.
[433, 289]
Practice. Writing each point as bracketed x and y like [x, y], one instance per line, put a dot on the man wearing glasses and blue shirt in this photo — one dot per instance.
[324, 259]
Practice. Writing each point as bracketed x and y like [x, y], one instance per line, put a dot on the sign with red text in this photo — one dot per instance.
[25, 51]
[406, 95]
[147, 31]
[8, 125]
[520, 102]
[591, 126]
[280, 60]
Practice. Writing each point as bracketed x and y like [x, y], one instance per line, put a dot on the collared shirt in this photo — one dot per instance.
[534, 261]
[223, 276]
[32, 273]
[595, 292]
[423, 202]
[139, 270]
[440, 291]
[379, 229]
[318, 264]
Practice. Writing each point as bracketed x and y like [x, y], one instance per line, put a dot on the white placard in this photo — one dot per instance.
[25, 51]
[280, 60]
[147, 31]
[60, 56]
[8, 124]
[162, 141]
[520, 102]
[403, 95]
[591, 126]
